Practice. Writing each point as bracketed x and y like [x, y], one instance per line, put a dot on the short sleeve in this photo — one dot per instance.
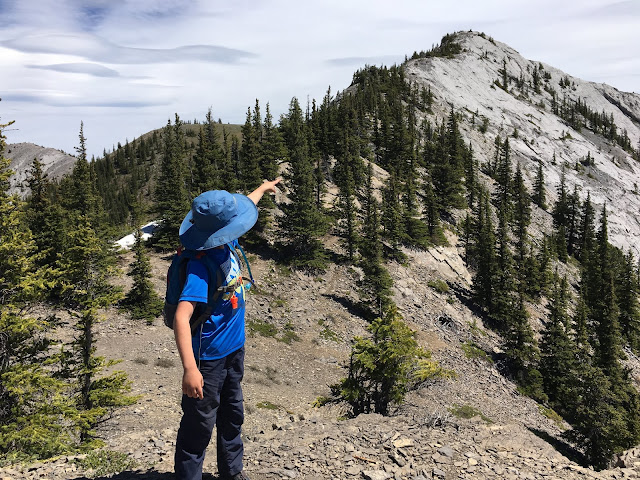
[196, 287]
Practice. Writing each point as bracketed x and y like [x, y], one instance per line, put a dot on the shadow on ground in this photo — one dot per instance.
[561, 446]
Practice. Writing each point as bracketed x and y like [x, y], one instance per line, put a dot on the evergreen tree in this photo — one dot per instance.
[543, 270]
[470, 176]
[558, 352]
[447, 170]
[85, 266]
[627, 288]
[376, 285]
[250, 155]
[483, 253]
[392, 220]
[273, 153]
[417, 233]
[605, 309]
[171, 194]
[431, 216]
[141, 301]
[208, 160]
[273, 149]
[79, 190]
[347, 222]
[383, 368]
[586, 231]
[561, 218]
[522, 352]
[44, 218]
[504, 304]
[504, 189]
[539, 193]
[572, 221]
[521, 217]
[34, 410]
[302, 223]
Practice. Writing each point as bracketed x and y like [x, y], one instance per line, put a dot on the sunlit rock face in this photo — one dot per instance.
[470, 82]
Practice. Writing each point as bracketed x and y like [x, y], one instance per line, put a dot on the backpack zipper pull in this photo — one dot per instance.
[234, 301]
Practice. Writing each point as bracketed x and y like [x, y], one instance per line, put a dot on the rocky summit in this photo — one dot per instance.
[55, 163]
[467, 82]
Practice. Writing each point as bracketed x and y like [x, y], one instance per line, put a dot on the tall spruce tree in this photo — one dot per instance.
[482, 255]
[171, 194]
[539, 192]
[250, 151]
[558, 351]
[302, 223]
[347, 220]
[505, 298]
[35, 414]
[141, 300]
[85, 267]
[376, 284]
[45, 218]
[431, 216]
[627, 288]
[521, 220]
[561, 218]
[521, 350]
[393, 227]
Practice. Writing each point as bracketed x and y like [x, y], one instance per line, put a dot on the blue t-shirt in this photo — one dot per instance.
[223, 332]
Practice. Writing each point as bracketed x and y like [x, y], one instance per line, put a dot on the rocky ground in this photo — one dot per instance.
[473, 426]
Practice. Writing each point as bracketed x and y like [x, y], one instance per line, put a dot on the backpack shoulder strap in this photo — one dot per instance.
[216, 280]
[234, 247]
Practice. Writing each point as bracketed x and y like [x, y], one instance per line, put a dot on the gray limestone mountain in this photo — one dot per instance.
[55, 163]
[476, 426]
[469, 83]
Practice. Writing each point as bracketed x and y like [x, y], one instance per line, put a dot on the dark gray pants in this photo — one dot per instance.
[221, 407]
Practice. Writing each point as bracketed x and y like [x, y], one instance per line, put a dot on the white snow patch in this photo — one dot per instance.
[125, 243]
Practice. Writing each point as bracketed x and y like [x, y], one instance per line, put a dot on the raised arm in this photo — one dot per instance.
[270, 187]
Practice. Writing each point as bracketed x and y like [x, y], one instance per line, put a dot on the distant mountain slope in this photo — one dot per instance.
[470, 82]
[55, 162]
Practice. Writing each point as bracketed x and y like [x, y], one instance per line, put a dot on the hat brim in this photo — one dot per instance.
[195, 239]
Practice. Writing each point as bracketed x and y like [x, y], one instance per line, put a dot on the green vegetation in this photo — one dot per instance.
[262, 327]
[552, 415]
[288, 334]
[327, 334]
[383, 368]
[472, 351]
[54, 394]
[448, 48]
[439, 285]
[467, 412]
[267, 405]
[102, 463]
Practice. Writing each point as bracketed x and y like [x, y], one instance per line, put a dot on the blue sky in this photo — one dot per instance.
[125, 67]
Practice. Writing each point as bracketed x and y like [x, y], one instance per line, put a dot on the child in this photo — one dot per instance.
[213, 358]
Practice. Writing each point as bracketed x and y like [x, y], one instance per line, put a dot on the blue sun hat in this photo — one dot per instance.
[217, 217]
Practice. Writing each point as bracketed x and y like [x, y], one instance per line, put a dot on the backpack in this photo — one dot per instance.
[177, 276]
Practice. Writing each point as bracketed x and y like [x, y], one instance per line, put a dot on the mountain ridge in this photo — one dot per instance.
[466, 82]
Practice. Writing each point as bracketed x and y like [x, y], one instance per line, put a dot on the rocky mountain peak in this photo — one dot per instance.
[55, 163]
[528, 111]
